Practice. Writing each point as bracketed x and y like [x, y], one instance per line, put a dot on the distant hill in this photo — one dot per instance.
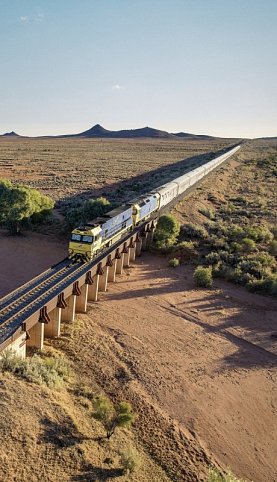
[10, 134]
[100, 132]
[185, 135]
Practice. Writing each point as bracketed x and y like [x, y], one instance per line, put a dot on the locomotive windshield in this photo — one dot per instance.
[75, 237]
[83, 239]
[87, 239]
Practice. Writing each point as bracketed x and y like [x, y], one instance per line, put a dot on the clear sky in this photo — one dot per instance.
[200, 66]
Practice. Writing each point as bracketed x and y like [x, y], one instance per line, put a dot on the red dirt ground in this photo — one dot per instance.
[205, 358]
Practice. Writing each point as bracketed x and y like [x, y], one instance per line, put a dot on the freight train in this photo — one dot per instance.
[87, 240]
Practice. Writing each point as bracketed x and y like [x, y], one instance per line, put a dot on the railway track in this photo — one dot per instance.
[19, 305]
[26, 287]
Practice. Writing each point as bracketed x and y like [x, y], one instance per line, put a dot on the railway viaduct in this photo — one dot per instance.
[36, 310]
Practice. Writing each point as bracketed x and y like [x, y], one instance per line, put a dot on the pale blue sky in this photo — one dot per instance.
[201, 66]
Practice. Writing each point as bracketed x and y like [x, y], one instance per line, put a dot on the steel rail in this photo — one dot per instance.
[26, 287]
[15, 305]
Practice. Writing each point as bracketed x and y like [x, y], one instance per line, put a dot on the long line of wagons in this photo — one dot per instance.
[87, 240]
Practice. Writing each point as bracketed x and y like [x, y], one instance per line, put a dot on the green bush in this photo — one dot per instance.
[273, 247]
[167, 231]
[130, 460]
[19, 205]
[112, 416]
[193, 231]
[52, 372]
[266, 286]
[174, 262]
[85, 211]
[235, 232]
[259, 234]
[216, 476]
[212, 258]
[248, 245]
[203, 276]
[209, 213]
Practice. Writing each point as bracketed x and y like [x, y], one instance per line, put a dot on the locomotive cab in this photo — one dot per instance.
[85, 242]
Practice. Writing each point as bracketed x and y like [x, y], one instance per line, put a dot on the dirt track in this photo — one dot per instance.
[198, 365]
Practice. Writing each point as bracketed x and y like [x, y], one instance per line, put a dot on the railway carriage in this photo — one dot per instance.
[86, 241]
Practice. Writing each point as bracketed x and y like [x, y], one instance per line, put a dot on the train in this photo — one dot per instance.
[88, 240]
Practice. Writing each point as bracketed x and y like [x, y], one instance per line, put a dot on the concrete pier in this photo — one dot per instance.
[93, 289]
[144, 242]
[18, 347]
[68, 314]
[36, 336]
[103, 280]
[126, 258]
[112, 271]
[82, 299]
[53, 328]
[119, 267]
[138, 247]
[133, 253]
[150, 237]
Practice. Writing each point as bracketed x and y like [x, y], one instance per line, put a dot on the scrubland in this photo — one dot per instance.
[197, 365]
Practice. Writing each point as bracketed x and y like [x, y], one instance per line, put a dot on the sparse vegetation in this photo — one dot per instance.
[52, 372]
[239, 241]
[112, 417]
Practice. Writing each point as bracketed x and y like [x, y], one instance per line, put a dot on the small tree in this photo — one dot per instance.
[19, 203]
[203, 277]
[112, 416]
[167, 231]
[130, 460]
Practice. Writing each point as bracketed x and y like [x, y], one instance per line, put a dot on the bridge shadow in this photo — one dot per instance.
[96, 474]
[246, 320]
[133, 187]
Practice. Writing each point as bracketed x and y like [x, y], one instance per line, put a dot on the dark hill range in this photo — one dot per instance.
[10, 134]
[100, 132]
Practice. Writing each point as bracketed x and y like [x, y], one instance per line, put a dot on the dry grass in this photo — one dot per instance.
[66, 168]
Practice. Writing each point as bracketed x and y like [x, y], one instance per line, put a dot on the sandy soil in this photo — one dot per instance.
[205, 360]
[26, 257]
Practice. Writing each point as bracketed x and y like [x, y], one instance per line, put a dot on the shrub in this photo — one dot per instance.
[186, 250]
[193, 231]
[130, 460]
[248, 245]
[167, 231]
[266, 286]
[216, 476]
[212, 258]
[87, 210]
[174, 262]
[209, 213]
[203, 277]
[112, 416]
[273, 247]
[259, 234]
[52, 372]
[235, 232]
[19, 204]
